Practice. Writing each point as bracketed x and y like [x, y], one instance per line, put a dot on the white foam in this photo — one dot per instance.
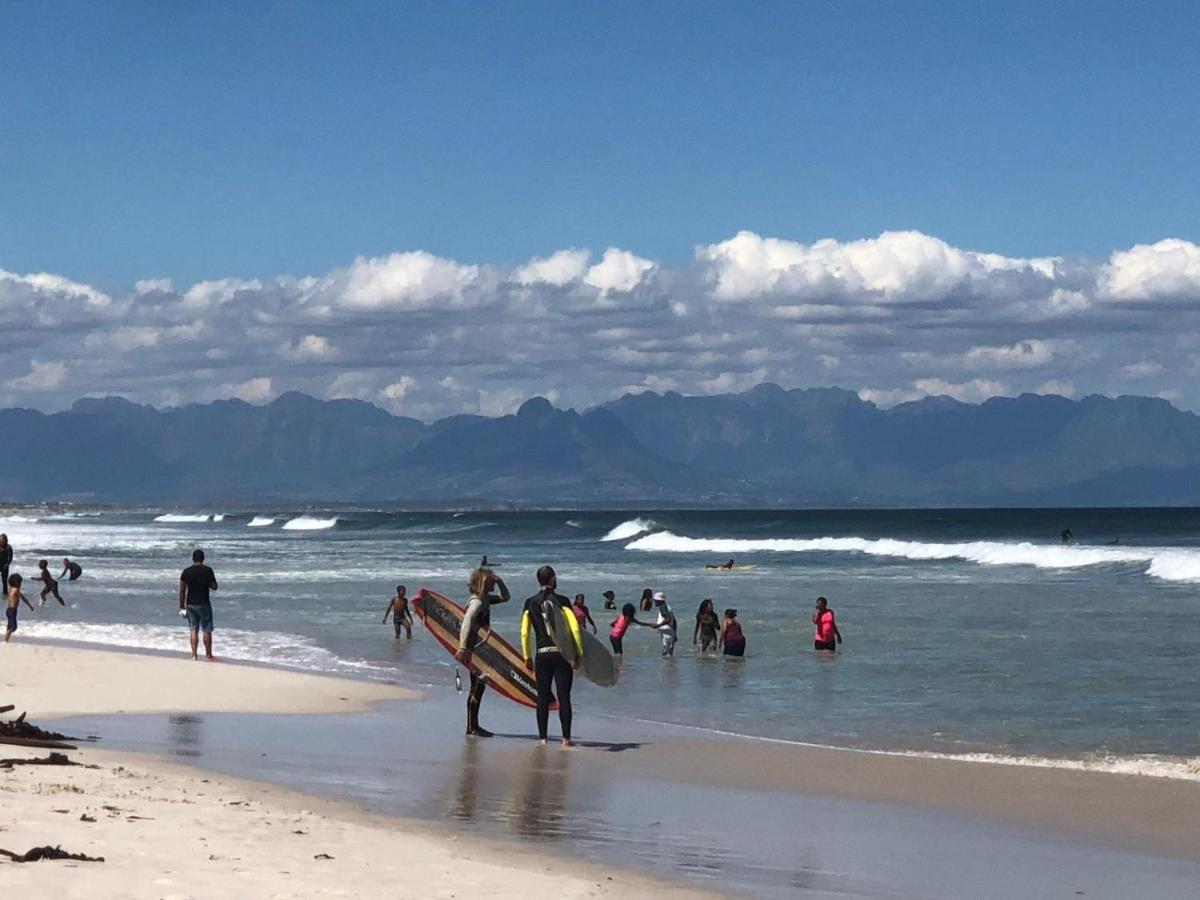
[630, 528]
[182, 518]
[17, 517]
[260, 522]
[571, 523]
[309, 523]
[1167, 563]
[220, 517]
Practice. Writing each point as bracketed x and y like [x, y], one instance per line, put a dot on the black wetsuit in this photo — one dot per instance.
[6, 558]
[74, 570]
[551, 669]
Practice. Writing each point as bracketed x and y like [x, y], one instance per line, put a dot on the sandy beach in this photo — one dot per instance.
[170, 831]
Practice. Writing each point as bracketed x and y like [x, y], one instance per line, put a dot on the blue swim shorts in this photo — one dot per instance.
[200, 618]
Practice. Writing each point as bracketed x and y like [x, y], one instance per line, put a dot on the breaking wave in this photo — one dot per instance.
[183, 518]
[1169, 564]
[631, 528]
[309, 523]
[260, 522]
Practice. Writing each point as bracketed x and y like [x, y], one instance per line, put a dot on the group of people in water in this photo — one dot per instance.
[13, 581]
[711, 633]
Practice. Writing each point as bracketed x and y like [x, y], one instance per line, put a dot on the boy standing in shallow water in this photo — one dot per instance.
[15, 596]
[398, 607]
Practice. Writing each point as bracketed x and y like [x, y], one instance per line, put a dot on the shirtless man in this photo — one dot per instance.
[49, 585]
[398, 608]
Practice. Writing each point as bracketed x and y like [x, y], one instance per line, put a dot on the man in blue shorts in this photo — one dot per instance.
[195, 583]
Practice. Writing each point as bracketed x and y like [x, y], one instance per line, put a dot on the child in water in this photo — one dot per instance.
[732, 638]
[49, 585]
[398, 607]
[15, 596]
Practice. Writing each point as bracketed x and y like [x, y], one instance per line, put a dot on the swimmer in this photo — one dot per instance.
[610, 600]
[647, 602]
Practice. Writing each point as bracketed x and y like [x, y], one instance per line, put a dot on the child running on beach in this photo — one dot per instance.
[401, 618]
[620, 625]
[15, 596]
[49, 585]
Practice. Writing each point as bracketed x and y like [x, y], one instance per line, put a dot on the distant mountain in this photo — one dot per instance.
[765, 447]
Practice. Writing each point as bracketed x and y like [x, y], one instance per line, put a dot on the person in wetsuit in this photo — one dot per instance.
[74, 568]
[542, 655]
[478, 616]
[6, 557]
[708, 626]
[398, 607]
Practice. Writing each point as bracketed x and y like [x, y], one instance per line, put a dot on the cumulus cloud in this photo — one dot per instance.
[903, 314]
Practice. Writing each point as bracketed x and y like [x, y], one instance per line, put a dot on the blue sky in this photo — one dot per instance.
[903, 199]
[193, 141]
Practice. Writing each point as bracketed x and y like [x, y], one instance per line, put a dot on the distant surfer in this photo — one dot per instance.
[666, 624]
[826, 636]
[477, 618]
[398, 609]
[708, 626]
[582, 613]
[15, 598]
[647, 602]
[484, 564]
[610, 600]
[725, 565]
[732, 639]
[542, 655]
[73, 569]
[1066, 535]
[49, 585]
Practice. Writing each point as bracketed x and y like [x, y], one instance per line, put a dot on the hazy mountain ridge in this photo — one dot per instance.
[767, 446]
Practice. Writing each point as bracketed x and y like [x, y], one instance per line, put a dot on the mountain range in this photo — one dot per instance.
[816, 447]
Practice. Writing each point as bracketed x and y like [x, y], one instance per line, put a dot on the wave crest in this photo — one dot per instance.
[309, 523]
[260, 522]
[631, 528]
[182, 518]
[1169, 564]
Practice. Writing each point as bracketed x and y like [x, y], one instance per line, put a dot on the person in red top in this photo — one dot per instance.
[826, 636]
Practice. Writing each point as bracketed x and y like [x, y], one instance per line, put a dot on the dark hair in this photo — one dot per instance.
[14, 580]
[707, 601]
[647, 594]
[400, 589]
[608, 594]
[579, 598]
[197, 555]
[629, 610]
[42, 563]
[822, 600]
[545, 575]
[731, 613]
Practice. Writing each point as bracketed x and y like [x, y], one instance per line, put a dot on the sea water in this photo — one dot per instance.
[967, 633]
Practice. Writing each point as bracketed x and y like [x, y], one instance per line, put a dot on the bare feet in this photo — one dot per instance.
[543, 741]
[567, 742]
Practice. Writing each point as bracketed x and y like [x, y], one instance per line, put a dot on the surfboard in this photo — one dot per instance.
[734, 569]
[557, 625]
[493, 659]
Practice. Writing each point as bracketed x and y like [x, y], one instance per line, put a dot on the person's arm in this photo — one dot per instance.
[696, 631]
[182, 592]
[212, 585]
[816, 618]
[526, 638]
[391, 605]
[504, 595]
[591, 621]
[721, 634]
[468, 626]
[573, 626]
[837, 633]
[63, 574]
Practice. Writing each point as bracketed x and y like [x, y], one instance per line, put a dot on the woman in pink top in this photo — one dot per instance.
[621, 624]
[826, 636]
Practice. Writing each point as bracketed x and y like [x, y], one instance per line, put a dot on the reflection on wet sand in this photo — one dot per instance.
[185, 735]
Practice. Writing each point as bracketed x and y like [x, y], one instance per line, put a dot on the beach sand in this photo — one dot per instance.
[169, 831]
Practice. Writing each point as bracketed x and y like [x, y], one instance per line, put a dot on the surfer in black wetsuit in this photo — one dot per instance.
[1066, 535]
[74, 568]
[545, 659]
[6, 557]
[477, 617]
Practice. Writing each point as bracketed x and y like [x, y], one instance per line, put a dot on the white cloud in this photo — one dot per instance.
[312, 348]
[412, 280]
[556, 269]
[206, 294]
[618, 270]
[1147, 368]
[1061, 388]
[973, 391]
[254, 390]
[1169, 269]
[153, 286]
[42, 377]
[731, 382]
[1021, 355]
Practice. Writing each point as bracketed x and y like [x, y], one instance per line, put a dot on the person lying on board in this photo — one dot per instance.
[724, 565]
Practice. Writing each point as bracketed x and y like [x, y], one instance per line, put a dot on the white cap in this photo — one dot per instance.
[660, 597]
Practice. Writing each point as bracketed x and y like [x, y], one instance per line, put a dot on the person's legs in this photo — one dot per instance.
[564, 677]
[398, 627]
[206, 625]
[474, 699]
[543, 669]
[408, 629]
[45, 592]
[57, 597]
[194, 640]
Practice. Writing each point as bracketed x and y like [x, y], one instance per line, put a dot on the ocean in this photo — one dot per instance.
[968, 633]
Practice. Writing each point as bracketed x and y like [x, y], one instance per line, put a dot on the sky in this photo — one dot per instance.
[449, 207]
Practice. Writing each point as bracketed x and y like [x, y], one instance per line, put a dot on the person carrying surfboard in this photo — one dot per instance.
[477, 617]
[552, 671]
